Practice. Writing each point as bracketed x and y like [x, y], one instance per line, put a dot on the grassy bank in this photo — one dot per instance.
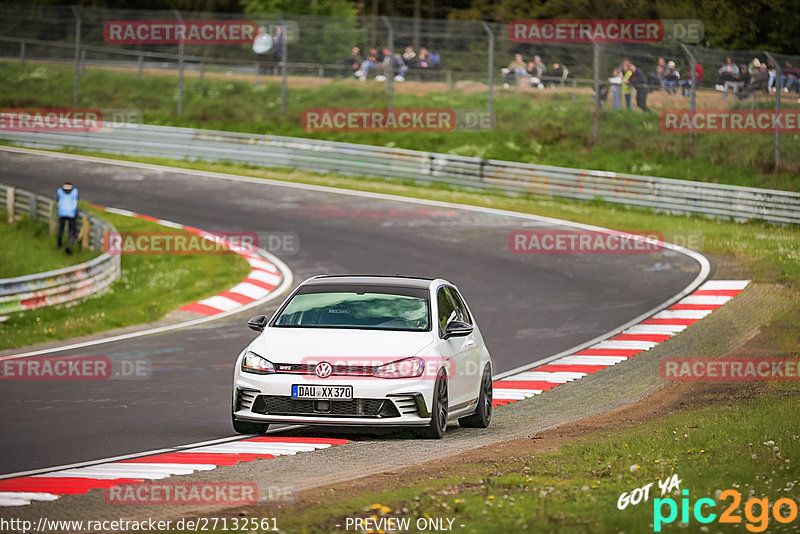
[577, 488]
[546, 127]
[27, 247]
[148, 288]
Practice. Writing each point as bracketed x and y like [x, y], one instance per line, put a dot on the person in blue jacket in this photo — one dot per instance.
[67, 213]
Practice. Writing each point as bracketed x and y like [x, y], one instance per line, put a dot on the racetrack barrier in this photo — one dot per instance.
[61, 285]
[661, 194]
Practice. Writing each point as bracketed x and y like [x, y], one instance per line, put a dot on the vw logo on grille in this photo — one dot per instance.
[323, 370]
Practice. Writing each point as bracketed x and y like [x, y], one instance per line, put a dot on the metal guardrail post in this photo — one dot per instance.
[22, 54]
[53, 218]
[449, 75]
[389, 73]
[692, 95]
[33, 207]
[490, 74]
[77, 73]
[180, 64]
[10, 193]
[778, 90]
[139, 64]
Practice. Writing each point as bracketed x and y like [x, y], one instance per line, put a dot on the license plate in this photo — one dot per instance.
[322, 392]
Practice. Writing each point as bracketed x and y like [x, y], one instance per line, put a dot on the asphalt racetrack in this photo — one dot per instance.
[528, 306]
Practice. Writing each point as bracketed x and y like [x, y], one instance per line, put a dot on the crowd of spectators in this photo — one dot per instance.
[741, 79]
[360, 65]
[535, 72]
[624, 79]
[745, 79]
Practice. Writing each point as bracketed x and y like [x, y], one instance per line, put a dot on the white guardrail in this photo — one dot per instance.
[61, 285]
[663, 194]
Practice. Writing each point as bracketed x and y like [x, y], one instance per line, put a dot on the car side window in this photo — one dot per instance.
[462, 314]
[447, 311]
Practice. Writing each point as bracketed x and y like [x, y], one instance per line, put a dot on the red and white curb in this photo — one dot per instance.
[21, 491]
[628, 343]
[262, 280]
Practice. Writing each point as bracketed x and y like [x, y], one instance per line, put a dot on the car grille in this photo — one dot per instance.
[279, 405]
[245, 398]
[308, 369]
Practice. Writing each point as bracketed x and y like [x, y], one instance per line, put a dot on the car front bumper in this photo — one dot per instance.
[376, 401]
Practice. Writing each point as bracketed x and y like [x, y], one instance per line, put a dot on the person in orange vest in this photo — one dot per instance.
[67, 213]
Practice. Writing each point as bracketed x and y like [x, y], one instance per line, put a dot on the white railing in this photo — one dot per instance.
[61, 285]
[663, 194]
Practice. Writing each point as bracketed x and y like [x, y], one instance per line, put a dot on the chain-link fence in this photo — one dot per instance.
[449, 55]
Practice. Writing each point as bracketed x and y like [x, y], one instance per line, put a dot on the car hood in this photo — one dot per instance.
[294, 345]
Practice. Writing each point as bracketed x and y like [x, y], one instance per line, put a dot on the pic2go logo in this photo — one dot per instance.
[784, 510]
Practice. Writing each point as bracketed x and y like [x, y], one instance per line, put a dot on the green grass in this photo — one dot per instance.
[148, 288]
[576, 488]
[540, 127]
[27, 247]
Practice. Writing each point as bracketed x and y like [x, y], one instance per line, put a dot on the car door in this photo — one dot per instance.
[470, 372]
[456, 349]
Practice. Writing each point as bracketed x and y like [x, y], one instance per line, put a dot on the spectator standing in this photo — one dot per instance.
[278, 44]
[627, 88]
[67, 201]
[686, 85]
[616, 89]
[639, 81]
[262, 43]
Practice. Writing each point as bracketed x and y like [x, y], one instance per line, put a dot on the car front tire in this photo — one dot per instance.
[439, 410]
[483, 412]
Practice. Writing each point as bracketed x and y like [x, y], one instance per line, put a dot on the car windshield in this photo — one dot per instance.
[368, 309]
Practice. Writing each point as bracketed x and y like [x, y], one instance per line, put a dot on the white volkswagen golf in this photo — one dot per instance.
[365, 350]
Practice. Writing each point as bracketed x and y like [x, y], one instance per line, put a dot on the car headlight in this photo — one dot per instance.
[407, 368]
[253, 363]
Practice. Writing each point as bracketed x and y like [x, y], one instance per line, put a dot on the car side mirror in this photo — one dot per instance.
[258, 323]
[457, 329]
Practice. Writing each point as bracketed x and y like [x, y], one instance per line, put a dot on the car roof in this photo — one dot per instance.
[372, 279]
